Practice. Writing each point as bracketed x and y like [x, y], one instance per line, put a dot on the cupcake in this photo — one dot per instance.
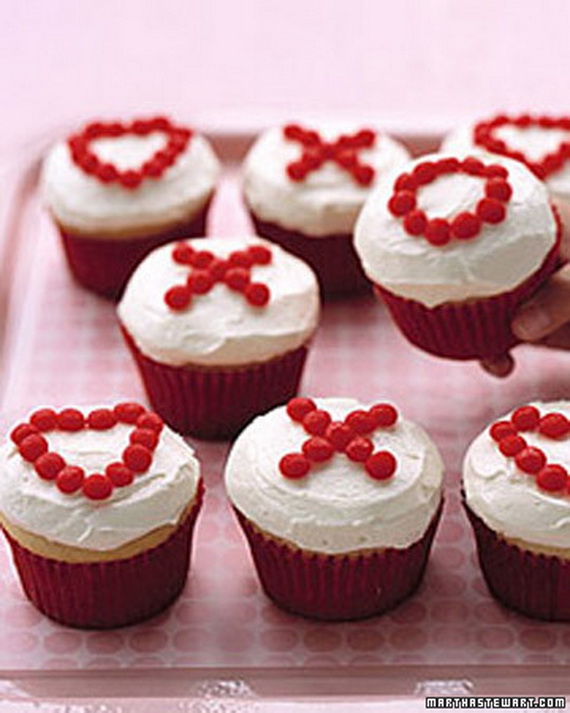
[304, 187]
[517, 497]
[99, 507]
[542, 143]
[339, 503]
[219, 330]
[453, 246]
[117, 190]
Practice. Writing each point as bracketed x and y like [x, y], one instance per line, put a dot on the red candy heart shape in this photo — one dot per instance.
[465, 225]
[106, 172]
[484, 135]
[136, 458]
[328, 437]
[551, 477]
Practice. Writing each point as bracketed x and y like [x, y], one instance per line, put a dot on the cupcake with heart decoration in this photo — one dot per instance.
[339, 503]
[99, 507]
[219, 330]
[541, 142]
[304, 186]
[118, 189]
[454, 245]
[517, 496]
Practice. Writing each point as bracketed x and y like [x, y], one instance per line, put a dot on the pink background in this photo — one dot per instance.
[416, 63]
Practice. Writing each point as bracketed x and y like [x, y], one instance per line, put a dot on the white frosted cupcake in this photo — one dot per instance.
[117, 190]
[541, 142]
[339, 503]
[454, 246]
[99, 507]
[220, 330]
[305, 185]
[517, 496]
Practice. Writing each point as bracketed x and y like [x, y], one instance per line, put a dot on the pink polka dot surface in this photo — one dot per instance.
[65, 347]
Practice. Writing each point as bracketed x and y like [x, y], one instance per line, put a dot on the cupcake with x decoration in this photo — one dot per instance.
[454, 245]
[517, 496]
[339, 503]
[219, 330]
[99, 507]
[116, 190]
[304, 186]
[540, 141]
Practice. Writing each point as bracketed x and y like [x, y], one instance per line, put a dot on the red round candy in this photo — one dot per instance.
[237, 278]
[119, 474]
[495, 170]
[554, 425]
[32, 447]
[107, 173]
[200, 282]
[438, 232]
[530, 459]
[465, 226]
[257, 294]
[97, 487]
[424, 172]
[339, 434]
[22, 431]
[70, 419]
[299, 407]
[44, 419]
[526, 418]
[511, 445]
[182, 253]
[48, 465]
[552, 478]
[405, 182]
[384, 415]
[402, 203]
[381, 465]
[491, 211]
[150, 420]
[146, 437]
[218, 269]
[129, 412]
[318, 449]
[178, 297]
[473, 166]
[415, 222]
[499, 189]
[130, 179]
[101, 419]
[361, 422]
[294, 465]
[316, 422]
[240, 258]
[201, 259]
[359, 449]
[363, 174]
[70, 479]
[502, 429]
[138, 458]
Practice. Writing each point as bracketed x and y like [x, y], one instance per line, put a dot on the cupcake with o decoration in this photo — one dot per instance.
[99, 507]
[220, 330]
[517, 496]
[304, 186]
[454, 246]
[116, 190]
[541, 142]
[339, 503]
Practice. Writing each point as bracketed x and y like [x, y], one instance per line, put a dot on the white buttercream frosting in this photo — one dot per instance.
[533, 141]
[83, 203]
[497, 260]
[328, 200]
[337, 507]
[154, 499]
[220, 328]
[508, 500]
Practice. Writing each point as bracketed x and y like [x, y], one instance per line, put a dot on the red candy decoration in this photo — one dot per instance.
[208, 270]
[328, 437]
[491, 209]
[484, 135]
[50, 466]
[530, 459]
[343, 151]
[79, 146]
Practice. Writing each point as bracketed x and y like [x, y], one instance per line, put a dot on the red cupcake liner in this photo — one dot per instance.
[333, 258]
[216, 403]
[104, 265]
[477, 329]
[533, 584]
[337, 587]
[104, 595]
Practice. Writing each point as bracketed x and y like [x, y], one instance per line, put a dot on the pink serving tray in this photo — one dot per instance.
[61, 345]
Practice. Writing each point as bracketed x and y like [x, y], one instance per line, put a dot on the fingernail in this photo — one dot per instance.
[531, 323]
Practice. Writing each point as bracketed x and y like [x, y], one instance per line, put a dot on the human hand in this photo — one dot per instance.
[544, 319]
